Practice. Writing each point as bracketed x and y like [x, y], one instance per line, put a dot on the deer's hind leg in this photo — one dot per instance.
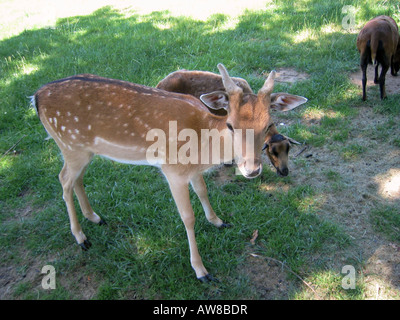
[86, 208]
[75, 164]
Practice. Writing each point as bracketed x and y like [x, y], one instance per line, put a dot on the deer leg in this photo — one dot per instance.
[376, 79]
[364, 65]
[385, 68]
[180, 192]
[84, 202]
[199, 186]
[68, 176]
[392, 68]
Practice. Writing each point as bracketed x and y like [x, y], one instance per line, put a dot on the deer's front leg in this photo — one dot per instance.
[180, 191]
[199, 186]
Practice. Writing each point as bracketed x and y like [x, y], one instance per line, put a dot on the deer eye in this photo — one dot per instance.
[229, 126]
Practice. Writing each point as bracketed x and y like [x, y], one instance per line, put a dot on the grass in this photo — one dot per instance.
[352, 151]
[386, 220]
[142, 253]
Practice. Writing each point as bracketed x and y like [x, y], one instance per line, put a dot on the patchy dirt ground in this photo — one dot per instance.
[269, 278]
[368, 181]
[392, 84]
[290, 75]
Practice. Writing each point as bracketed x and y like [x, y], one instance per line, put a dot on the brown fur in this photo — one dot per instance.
[378, 43]
[197, 83]
[277, 149]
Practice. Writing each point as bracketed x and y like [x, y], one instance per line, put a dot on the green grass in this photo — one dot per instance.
[386, 220]
[143, 253]
[352, 151]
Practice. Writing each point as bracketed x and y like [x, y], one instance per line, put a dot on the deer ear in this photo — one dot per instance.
[216, 100]
[284, 101]
[292, 141]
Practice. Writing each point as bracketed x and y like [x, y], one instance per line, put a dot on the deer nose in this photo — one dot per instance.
[255, 173]
[283, 172]
[252, 173]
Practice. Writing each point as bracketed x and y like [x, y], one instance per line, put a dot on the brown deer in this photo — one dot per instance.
[197, 83]
[88, 115]
[378, 43]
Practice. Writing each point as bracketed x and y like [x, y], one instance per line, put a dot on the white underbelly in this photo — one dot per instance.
[124, 154]
[135, 162]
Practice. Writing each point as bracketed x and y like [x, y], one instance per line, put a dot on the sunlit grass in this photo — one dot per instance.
[24, 15]
[328, 285]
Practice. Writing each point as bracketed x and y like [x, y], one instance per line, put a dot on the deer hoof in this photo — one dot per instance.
[208, 278]
[85, 245]
[102, 222]
[225, 225]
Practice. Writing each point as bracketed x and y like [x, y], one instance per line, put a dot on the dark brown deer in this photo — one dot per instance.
[197, 83]
[378, 43]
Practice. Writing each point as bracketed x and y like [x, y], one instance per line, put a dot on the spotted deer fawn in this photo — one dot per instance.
[87, 115]
[197, 83]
